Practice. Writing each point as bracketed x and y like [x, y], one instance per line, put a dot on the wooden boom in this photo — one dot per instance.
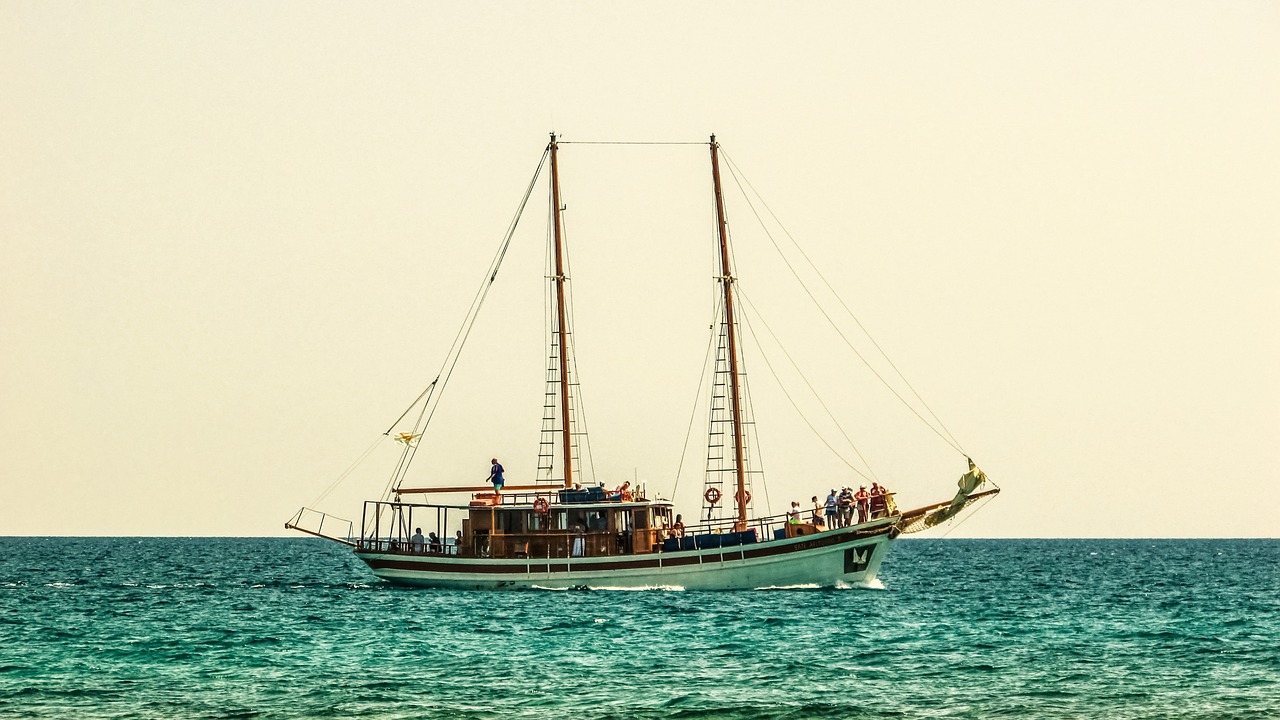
[472, 488]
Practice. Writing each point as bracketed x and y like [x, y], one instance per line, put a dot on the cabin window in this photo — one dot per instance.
[511, 523]
[597, 521]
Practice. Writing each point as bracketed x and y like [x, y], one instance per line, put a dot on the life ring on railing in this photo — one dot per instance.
[541, 506]
[745, 499]
[712, 495]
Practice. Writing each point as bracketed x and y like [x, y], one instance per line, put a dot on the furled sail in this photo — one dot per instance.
[968, 483]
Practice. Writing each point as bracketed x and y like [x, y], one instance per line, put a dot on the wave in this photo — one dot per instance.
[800, 586]
[611, 588]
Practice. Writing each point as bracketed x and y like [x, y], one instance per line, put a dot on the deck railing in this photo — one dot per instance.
[389, 527]
[324, 525]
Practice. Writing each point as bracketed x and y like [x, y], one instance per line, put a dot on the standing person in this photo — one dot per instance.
[457, 542]
[793, 515]
[817, 511]
[832, 507]
[495, 476]
[417, 542]
[862, 497]
[846, 507]
[877, 500]
[433, 542]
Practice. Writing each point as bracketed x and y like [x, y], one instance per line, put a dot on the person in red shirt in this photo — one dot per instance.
[864, 503]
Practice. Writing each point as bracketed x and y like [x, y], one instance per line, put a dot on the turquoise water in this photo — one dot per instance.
[297, 628]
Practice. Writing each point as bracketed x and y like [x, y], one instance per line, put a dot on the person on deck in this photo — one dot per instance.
[863, 497]
[495, 476]
[677, 530]
[817, 511]
[846, 507]
[433, 542]
[457, 541]
[417, 542]
[793, 515]
[832, 507]
[877, 501]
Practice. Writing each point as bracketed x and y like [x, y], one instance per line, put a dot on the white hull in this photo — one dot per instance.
[839, 557]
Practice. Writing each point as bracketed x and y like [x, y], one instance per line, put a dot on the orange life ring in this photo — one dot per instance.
[541, 506]
[712, 495]
[747, 494]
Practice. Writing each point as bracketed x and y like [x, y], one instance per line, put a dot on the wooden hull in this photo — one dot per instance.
[846, 556]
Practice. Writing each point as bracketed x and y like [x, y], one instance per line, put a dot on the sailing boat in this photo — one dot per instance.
[557, 534]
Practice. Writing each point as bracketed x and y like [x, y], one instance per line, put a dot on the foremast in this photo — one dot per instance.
[735, 391]
[561, 317]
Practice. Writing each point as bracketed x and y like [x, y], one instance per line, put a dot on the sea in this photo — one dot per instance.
[298, 628]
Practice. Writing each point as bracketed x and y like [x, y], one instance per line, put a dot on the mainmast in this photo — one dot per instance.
[562, 334]
[726, 281]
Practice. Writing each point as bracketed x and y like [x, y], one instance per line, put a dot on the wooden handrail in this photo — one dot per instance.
[476, 489]
[290, 526]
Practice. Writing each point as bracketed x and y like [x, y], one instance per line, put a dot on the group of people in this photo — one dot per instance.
[838, 510]
[433, 544]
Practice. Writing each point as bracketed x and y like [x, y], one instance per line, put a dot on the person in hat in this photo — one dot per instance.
[832, 508]
[846, 507]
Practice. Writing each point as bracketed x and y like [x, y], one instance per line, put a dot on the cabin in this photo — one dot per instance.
[515, 529]
[563, 523]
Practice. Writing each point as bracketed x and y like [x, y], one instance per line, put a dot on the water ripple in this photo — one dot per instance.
[274, 628]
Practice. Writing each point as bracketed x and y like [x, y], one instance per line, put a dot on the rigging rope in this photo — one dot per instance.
[346, 473]
[631, 142]
[706, 362]
[790, 399]
[982, 503]
[578, 409]
[948, 438]
[464, 332]
[808, 384]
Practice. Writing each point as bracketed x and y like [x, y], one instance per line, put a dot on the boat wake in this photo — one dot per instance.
[872, 584]
[609, 588]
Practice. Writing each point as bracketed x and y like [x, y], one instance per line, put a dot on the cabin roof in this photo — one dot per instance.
[586, 506]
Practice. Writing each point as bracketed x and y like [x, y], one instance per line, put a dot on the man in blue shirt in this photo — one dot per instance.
[831, 510]
[495, 476]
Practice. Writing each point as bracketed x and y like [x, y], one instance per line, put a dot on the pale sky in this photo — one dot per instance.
[237, 239]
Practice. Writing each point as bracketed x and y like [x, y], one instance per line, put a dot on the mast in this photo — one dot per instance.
[562, 335]
[726, 280]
